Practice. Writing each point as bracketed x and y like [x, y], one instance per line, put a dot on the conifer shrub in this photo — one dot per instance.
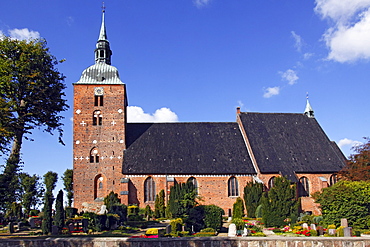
[238, 209]
[159, 205]
[252, 197]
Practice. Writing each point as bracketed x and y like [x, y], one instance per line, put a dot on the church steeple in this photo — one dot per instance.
[309, 111]
[103, 52]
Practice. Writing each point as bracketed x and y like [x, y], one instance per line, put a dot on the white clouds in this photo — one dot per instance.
[271, 91]
[136, 114]
[23, 34]
[298, 41]
[348, 39]
[290, 76]
[348, 142]
[201, 3]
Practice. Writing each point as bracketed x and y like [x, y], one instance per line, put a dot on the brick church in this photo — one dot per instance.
[137, 160]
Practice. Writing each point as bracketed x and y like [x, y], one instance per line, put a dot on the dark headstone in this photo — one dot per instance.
[85, 224]
[54, 230]
[168, 229]
[20, 224]
[320, 230]
[11, 227]
[71, 227]
[32, 222]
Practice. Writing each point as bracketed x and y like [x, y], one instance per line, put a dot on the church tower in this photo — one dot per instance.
[99, 121]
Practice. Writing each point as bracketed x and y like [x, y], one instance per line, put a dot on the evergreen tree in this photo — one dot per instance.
[182, 198]
[159, 205]
[50, 179]
[110, 200]
[252, 197]
[238, 209]
[59, 212]
[280, 204]
[68, 185]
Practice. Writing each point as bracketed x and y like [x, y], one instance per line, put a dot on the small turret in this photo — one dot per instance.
[103, 52]
[309, 111]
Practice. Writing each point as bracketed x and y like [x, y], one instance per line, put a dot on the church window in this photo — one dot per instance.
[94, 155]
[98, 100]
[97, 118]
[102, 53]
[193, 180]
[303, 187]
[333, 179]
[149, 190]
[233, 187]
[98, 186]
[271, 182]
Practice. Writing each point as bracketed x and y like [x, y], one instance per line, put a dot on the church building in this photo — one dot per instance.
[137, 160]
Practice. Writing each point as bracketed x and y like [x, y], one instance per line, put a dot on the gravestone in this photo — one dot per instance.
[32, 222]
[54, 230]
[305, 226]
[320, 230]
[313, 227]
[168, 229]
[232, 230]
[85, 225]
[20, 224]
[245, 232]
[103, 209]
[347, 232]
[332, 231]
[71, 227]
[11, 227]
[344, 222]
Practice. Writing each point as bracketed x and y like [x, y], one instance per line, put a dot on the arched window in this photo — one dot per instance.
[94, 155]
[233, 187]
[149, 190]
[97, 118]
[193, 180]
[271, 182]
[99, 186]
[333, 179]
[303, 187]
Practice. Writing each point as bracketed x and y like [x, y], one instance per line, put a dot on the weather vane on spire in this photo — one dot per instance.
[103, 8]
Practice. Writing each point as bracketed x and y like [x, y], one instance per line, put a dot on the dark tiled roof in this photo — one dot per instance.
[185, 148]
[290, 143]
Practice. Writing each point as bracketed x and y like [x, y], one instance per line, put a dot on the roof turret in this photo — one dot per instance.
[309, 111]
[103, 52]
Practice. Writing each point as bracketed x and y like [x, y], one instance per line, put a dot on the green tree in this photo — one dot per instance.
[238, 209]
[345, 199]
[252, 197]
[59, 212]
[50, 179]
[110, 200]
[31, 89]
[31, 191]
[68, 185]
[183, 197]
[280, 203]
[358, 165]
[159, 205]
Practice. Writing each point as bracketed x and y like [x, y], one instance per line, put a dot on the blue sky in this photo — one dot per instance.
[197, 60]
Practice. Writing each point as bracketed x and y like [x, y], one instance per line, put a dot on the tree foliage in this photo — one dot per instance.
[252, 197]
[345, 199]
[31, 93]
[182, 198]
[358, 165]
[50, 179]
[68, 185]
[59, 212]
[159, 205]
[110, 200]
[280, 203]
[30, 192]
[238, 209]
[205, 216]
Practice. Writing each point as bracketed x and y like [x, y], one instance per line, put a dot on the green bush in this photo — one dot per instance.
[238, 208]
[313, 233]
[208, 230]
[70, 212]
[340, 231]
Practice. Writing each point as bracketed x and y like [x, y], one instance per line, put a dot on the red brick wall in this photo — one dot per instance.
[108, 139]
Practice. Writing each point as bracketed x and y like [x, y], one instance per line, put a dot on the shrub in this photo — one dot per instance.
[238, 209]
[313, 232]
[70, 212]
[239, 223]
[208, 230]
[340, 231]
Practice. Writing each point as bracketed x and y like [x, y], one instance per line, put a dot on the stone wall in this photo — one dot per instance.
[192, 242]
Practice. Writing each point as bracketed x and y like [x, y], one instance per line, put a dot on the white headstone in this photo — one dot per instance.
[344, 222]
[305, 226]
[245, 232]
[103, 210]
[313, 227]
[232, 230]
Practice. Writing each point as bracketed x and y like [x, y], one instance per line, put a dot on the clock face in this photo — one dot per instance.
[98, 91]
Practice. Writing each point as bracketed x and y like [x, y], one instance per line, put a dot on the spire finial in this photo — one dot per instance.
[103, 8]
[308, 111]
